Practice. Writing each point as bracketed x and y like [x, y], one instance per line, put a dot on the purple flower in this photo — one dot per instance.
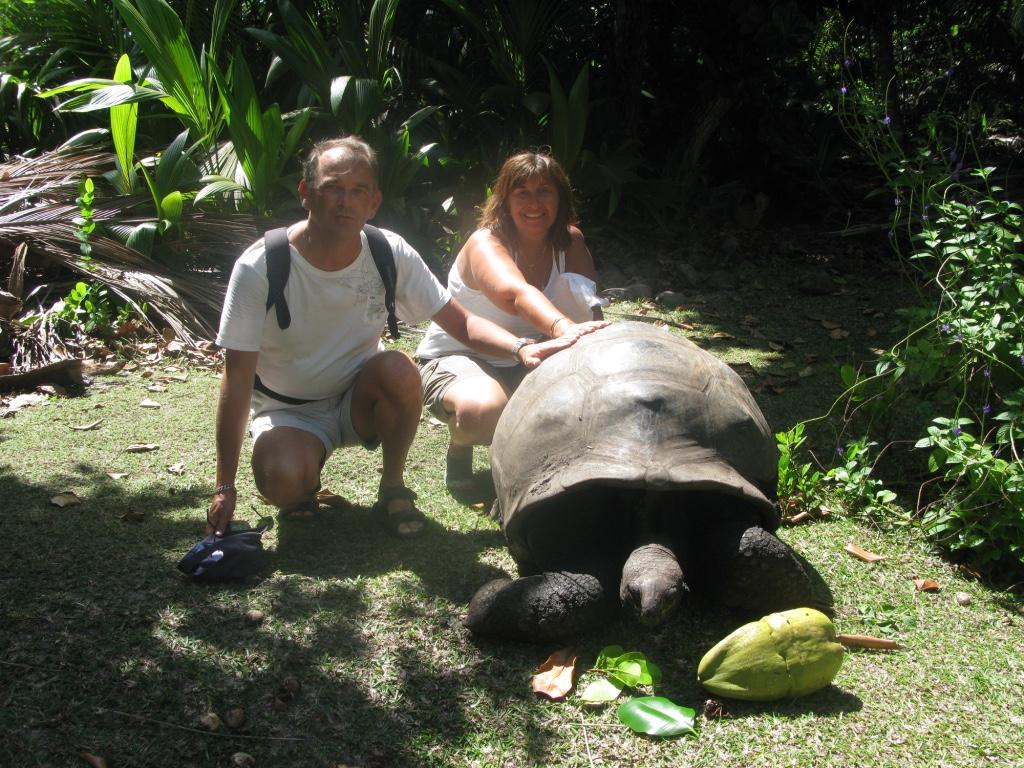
[844, 90]
[945, 328]
[956, 431]
[986, 372]
[949, 72]
[986, 408]
[887, 120]
[846, 63]
[953, 156]
[897, 201]
[840, 450]
[1022, 359]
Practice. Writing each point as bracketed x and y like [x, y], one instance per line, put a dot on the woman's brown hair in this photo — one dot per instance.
[515, 172]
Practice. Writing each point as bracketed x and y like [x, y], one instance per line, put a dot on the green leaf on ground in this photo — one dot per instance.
[601, 691]
[657, 716]
[629, 669]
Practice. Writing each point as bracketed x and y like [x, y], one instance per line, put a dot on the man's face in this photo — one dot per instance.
[345, 196]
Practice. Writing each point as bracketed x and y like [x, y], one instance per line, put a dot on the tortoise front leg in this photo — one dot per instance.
[540, 608]
[754, 571]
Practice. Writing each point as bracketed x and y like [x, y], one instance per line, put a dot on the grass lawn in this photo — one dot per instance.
[360, 658]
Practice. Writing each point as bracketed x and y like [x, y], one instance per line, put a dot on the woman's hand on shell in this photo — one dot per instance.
[575, 330]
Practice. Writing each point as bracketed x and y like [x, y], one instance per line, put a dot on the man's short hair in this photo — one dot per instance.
[357, 151]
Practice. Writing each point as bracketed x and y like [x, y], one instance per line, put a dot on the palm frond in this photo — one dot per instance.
[37, 207]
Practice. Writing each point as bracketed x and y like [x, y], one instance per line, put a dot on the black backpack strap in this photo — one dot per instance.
[279, 265]
[384, 258]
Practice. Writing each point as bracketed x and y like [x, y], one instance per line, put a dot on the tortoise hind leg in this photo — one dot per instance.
[540, 608]
[756, 572]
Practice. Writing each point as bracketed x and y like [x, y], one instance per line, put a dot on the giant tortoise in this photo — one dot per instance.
[629, 469]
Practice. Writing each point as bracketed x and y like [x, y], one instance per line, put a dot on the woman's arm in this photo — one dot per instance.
[487, 266]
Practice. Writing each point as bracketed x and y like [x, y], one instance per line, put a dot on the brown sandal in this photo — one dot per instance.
[393, 519]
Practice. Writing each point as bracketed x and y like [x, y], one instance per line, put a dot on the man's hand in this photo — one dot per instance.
[219, 515]
[530, 355]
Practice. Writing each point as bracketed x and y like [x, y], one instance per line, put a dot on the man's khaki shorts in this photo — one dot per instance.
[329, 420]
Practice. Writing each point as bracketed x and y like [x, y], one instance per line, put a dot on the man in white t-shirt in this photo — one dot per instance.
[324, 382]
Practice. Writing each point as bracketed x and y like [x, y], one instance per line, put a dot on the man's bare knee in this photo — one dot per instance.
[286, 467]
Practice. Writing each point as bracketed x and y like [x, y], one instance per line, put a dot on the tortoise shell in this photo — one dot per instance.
[631, 406]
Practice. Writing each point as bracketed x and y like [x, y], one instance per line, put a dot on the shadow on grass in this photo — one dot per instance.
[352, 543]
[106, 648]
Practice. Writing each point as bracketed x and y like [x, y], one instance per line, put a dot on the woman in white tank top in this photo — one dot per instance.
[526, 268]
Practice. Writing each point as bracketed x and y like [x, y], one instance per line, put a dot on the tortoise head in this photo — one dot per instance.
[652, 584]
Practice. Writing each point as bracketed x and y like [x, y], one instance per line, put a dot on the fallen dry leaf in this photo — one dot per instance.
[554, 677]
[777, 346]
[926, 585]
[243, 760]
[234, 718]
[839, 333]
[141, 447]
[87, 427]
[66, 499]
[147, 403]
[167, 334]
[19, 402]
[156, 388]
[177, 469]
[863, 554]
[133, 517]
[803, 373]
[93, 760]
[867, 641]
[829, 325]
[181, 377]
[210, 721]
[720, 335]
[715, 710]
[796, 519]
[116, 475]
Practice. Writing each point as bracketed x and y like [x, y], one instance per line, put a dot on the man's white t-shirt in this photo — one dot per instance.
[337, 316]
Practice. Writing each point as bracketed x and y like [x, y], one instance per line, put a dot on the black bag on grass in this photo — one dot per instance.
[237, 554]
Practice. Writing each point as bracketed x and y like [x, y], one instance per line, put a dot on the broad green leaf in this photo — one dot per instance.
[160, 34]
[143, 237]
[218, 186]
[601, 691]
[608, 653]
[848, 375]
[657, 716]
[123, 120]
[171, 206]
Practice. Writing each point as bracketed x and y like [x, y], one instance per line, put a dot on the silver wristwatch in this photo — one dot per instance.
[520, 343]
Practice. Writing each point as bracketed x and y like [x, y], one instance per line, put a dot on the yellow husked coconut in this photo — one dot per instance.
[780, 656]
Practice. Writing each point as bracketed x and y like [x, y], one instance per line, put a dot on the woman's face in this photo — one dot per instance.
[533, 206]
